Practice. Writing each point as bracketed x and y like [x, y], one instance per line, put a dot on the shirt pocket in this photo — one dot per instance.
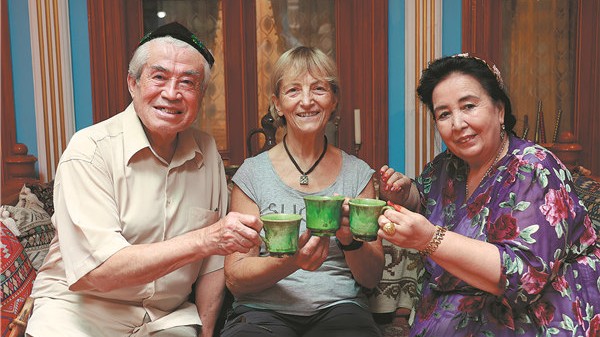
[199, 217]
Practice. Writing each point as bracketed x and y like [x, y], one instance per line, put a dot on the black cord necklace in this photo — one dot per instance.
[304, 176]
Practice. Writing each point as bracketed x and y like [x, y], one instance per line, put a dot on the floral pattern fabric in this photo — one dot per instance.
[549, 249]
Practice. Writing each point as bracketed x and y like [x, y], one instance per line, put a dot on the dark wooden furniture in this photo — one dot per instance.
[482, 36]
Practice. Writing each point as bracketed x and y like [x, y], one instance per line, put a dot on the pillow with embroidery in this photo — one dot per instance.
[588, 191]
[34, 226]
[44, 192]
[17, 277]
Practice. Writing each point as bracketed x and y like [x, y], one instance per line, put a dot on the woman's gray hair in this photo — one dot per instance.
[141, 54]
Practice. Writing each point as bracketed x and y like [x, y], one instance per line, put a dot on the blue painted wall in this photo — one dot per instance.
[396, 87]
[20, 48]
[80, 56]
[451, 27]
[20, 53]
[451, 30]
[451, 44]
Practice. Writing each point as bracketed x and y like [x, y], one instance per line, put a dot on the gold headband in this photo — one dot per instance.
[492, 68]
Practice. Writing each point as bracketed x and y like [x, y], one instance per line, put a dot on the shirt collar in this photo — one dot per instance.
[134, 137]
[187, 149]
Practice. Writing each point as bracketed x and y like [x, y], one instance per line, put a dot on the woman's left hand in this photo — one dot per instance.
[405, 228]
[312, 251]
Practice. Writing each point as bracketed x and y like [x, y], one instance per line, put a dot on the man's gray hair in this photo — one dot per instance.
[140, 58]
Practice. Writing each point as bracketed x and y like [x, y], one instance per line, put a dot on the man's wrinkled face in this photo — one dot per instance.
[168, 94]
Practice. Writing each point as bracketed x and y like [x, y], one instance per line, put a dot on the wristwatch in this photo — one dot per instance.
[354, 245]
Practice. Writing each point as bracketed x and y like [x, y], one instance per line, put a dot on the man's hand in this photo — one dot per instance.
[143, 263]
[236, 232]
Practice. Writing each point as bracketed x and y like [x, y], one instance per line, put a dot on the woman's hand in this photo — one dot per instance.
[394, 186]
[473, 261]
[344, 235]
[312, 251]
[405, 229]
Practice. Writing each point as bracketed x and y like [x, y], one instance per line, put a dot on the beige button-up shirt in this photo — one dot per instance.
[112, 191]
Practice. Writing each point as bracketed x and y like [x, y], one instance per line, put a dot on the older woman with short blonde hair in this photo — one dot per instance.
[318, 290]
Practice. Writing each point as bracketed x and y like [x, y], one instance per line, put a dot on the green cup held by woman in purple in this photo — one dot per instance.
[323, 214]
[281, 233]
[363, 217]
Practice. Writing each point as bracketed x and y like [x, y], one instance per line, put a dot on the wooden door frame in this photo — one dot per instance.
[587, 84]
[115, 28]
[241, 90]
[8, 137]
[481, 35]
[363, 68]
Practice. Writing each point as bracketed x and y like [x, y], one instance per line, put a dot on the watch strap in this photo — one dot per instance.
[354, 245]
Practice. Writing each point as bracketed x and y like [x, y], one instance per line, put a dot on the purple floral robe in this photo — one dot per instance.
[549, 249]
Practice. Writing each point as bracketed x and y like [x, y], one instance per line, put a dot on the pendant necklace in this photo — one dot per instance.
[489, 170]
[304, 175]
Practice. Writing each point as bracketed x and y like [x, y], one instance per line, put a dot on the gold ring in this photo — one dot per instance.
[389, 228]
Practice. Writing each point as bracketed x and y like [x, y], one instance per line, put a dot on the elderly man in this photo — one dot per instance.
[141, 202]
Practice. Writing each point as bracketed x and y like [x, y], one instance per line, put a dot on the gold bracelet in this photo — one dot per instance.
[435, 241]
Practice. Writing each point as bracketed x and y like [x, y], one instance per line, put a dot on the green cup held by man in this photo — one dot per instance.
[281, 233]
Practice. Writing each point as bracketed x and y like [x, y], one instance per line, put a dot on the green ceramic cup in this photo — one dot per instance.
[281, 233]
[323, 214]
[363, 217]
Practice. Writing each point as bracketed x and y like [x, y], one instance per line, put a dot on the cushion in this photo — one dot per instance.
[34, 225]
[17, 277]
[588, 191]
[44, 193]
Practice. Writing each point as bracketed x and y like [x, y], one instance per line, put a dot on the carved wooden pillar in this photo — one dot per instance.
[19, 164]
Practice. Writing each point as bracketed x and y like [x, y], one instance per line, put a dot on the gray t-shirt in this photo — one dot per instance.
[303, 292]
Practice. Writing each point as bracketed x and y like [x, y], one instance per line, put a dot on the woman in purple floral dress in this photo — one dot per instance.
[509, 247]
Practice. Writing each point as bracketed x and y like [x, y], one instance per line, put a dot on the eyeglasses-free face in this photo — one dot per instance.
[467, 119]
[306, 102]
[168, 94]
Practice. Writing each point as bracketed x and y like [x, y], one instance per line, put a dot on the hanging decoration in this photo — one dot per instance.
[540, 132]
[556, 125]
